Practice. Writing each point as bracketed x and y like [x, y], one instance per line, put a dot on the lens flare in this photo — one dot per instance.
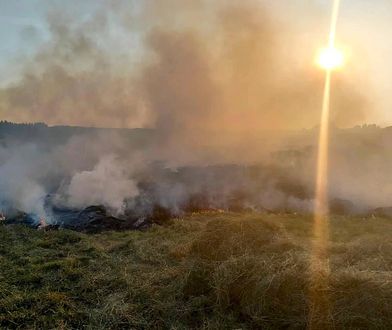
[320, 316]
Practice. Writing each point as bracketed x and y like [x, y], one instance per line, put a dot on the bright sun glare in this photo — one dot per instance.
[330, 58]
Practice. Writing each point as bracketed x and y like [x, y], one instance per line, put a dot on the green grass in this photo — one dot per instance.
[205, 271]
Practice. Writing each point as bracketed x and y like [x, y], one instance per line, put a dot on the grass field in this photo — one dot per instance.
[204, 271]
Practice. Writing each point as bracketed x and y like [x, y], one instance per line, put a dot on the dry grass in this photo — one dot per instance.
[205, 271]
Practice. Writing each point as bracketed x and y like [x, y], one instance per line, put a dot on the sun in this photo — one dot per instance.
[330, 58]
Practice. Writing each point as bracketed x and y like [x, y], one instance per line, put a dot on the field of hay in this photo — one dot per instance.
[203, 271]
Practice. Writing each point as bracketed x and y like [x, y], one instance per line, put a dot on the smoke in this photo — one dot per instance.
[217, 82]
[107, 184]
[80, 172]
[155, 65]
[19, 180]
[360, 166]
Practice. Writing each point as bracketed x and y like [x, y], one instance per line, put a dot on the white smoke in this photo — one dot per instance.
[108, 184]
[19, 179]
[222, 92]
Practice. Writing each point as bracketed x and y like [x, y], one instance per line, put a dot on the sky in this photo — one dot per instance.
[363, 32]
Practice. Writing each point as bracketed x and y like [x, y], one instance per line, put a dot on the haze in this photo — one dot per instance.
[252, 62]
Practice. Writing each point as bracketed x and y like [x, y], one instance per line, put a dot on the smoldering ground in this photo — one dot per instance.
[215, 82]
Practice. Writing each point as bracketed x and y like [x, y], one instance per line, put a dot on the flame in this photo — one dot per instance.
[42, 223]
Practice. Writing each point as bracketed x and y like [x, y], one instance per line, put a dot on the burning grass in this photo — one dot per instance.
[207, 270]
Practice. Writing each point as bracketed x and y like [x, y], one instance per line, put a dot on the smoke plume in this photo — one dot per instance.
[216, 83]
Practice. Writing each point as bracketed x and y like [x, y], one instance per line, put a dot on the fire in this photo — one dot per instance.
[42, 224]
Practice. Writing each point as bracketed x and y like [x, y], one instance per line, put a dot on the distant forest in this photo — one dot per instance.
[42, 133]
